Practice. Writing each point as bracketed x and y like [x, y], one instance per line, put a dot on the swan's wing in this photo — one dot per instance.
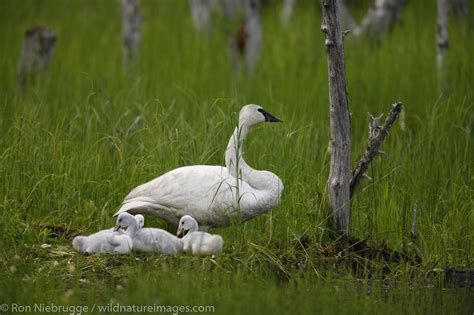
[122, 243]
[194, 190]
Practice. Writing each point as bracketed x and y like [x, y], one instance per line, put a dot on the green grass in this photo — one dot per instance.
[71, 150]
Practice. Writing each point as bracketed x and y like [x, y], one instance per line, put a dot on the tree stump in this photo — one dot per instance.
[201, 14]
[131, 31]
[36, 53]
[381, 16]
[245, 43]
[442, 40]
[287, 12]
[253, 31]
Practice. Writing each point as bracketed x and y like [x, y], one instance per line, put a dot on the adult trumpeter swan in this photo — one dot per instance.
[198, 243]
[213, 195]
[148, 239]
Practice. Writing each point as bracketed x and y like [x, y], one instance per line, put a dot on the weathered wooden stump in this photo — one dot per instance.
[131, 30]
[381, 16]
[36, 53]
[442, 41]
[201, 14]
[287, 12]
[246, 42]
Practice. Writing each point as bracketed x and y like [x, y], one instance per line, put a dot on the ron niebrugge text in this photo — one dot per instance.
[106, 308]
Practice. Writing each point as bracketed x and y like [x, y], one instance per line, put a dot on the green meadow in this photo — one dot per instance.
[75, 143]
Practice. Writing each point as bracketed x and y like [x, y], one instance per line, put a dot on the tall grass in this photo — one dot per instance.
[74, 145]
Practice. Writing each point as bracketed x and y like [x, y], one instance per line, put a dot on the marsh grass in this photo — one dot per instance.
[75, 144]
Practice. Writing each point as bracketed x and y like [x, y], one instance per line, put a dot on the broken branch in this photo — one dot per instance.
[377, 135]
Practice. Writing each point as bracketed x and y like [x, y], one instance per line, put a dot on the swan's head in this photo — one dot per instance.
[186, 224]
[140, 221]
[125, 219]
[252, 114]
[78, 243]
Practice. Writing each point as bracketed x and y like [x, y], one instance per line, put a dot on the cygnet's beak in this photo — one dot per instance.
[117, 228]
[269, 117]
[180, 232]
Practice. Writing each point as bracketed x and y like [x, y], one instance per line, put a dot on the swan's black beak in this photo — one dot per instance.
[117, 228]
[269, 117]
[181, 232]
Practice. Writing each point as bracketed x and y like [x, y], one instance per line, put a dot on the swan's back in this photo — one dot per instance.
[201, 191]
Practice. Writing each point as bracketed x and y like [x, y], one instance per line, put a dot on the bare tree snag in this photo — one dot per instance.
[131, 27]
[381, 16]
[245, 43]
[338, 181]
[442, 38]
[253, 32]
[201, 13]
[287, 12]
[345, 17]
[36, 53]
[377, 134]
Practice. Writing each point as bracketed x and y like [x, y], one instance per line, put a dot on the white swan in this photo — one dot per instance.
[148, 239]
[198, 243]
[213, 195]
[105, 241]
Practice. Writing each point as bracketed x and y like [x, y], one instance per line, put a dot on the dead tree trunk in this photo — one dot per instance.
[381, 16]
[237, 48]
[442, 39]
[201, 13]
[36, 53]
[253, 32]
[287, 12]
[131, 26]
[339, 173]
[345, 17]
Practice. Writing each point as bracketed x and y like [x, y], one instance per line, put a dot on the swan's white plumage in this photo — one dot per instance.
[105, 241]
[149, 239]
[198, 243]
[212, 194]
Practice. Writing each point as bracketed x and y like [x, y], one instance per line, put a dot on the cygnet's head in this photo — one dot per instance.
[125, 219]
[78, 243]
[140, 220]
[186, 224]
[252, 114]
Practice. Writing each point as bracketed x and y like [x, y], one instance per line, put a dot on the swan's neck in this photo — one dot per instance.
[238, 168]
[193, 228]
[234, 159]
[133, 228]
